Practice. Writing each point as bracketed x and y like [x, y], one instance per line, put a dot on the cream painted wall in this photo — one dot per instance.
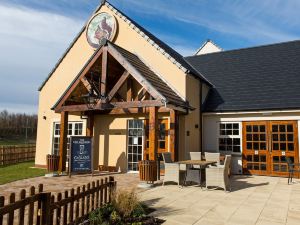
[211, 126]
[45, 138]
[76, 58]
[192, 142]
[110, 140]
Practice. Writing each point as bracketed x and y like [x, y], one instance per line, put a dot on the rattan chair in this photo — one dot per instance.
[195, 156]
[171, 169]
[217, 176]
[213, 156]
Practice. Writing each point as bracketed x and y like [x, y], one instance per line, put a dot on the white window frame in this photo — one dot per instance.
[240, 135]
[127, 143]
[68, 135]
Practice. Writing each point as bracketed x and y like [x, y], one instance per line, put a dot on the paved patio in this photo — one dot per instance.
[253, 200]
[62, 183]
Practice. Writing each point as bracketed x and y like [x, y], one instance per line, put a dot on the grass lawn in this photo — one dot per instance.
[19, 171]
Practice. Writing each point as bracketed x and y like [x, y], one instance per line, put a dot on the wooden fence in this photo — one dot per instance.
[16, 154]
[44, 208]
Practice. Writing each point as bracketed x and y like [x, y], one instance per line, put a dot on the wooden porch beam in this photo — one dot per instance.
[63, 141]
[153, 131]
[104, 72]
[141, 95]
[129, 90]
[110, 106]
[134, 72]
[90, 125]
[117, 86]
[80, 75]
[86, 84]
[172, 133]
[136, 111]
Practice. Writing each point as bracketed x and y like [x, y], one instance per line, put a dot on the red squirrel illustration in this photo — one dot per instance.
[103, 30]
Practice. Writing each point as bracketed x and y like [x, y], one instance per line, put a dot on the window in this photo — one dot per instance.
[229, 137]
[74, 129]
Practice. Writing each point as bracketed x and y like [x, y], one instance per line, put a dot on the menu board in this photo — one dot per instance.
[81, 154]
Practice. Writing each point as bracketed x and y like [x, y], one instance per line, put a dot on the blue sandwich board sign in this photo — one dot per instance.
[81, 155]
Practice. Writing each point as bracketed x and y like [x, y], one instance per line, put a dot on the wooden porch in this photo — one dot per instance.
[117, 82]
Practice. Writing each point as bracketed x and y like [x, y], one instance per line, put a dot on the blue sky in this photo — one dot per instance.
[35, 33]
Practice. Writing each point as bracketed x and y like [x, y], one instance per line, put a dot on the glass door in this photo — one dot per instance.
[283, 144]
[266, 144]
[135, 144]
[255, 148]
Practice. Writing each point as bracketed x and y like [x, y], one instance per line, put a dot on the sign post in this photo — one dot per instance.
[81, 155]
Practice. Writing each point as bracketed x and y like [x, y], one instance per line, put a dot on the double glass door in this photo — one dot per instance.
[267, 144]
[138, 141]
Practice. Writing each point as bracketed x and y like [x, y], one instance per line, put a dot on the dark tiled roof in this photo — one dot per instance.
[258, 78]
[161, 86]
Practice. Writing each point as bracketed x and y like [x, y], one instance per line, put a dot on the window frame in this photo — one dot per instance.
[56, 133]
[232, 136]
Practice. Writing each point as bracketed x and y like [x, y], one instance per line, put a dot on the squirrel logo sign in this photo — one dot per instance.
[103, 25]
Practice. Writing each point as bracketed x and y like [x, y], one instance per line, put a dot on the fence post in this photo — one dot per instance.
[112, 187]
[2, 156]
[46, 208]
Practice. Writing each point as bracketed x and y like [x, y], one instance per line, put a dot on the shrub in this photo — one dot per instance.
[124, 205]
[127, 203]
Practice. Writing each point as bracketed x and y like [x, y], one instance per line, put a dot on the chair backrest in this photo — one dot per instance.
[167, 157]
[227, 164]
[289, 162]
[195, 155]
[213, 156]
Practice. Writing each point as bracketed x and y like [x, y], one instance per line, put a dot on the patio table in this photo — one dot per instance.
[202, 163]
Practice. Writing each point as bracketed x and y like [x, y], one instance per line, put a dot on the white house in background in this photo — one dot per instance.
[208, 47]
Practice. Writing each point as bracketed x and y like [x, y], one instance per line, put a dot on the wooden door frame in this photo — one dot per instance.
[296, 145]
[252, 152]
[269, 152]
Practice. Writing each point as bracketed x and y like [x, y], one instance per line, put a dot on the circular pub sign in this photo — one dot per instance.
[102, 25]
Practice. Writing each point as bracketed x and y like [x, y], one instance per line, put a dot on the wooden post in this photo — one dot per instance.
[172, 133]
[63, 141]
[90, 125]
[129, 90]
[104, 72]
[153, 123]
[45, 214]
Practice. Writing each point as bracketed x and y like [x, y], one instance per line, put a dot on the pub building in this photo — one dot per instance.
[136, 96]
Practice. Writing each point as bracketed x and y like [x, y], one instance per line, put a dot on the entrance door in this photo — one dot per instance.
[135, 144]
[266, 144]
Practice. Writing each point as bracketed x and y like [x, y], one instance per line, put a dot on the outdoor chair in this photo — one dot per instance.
[195, 156]
[213, 156]
[217, 176]
[171, 169]
[292, 167]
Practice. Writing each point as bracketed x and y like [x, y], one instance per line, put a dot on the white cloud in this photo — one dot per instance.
[253, 20]
[31, 42]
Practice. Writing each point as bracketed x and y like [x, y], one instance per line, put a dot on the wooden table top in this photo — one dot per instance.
[197, 162]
